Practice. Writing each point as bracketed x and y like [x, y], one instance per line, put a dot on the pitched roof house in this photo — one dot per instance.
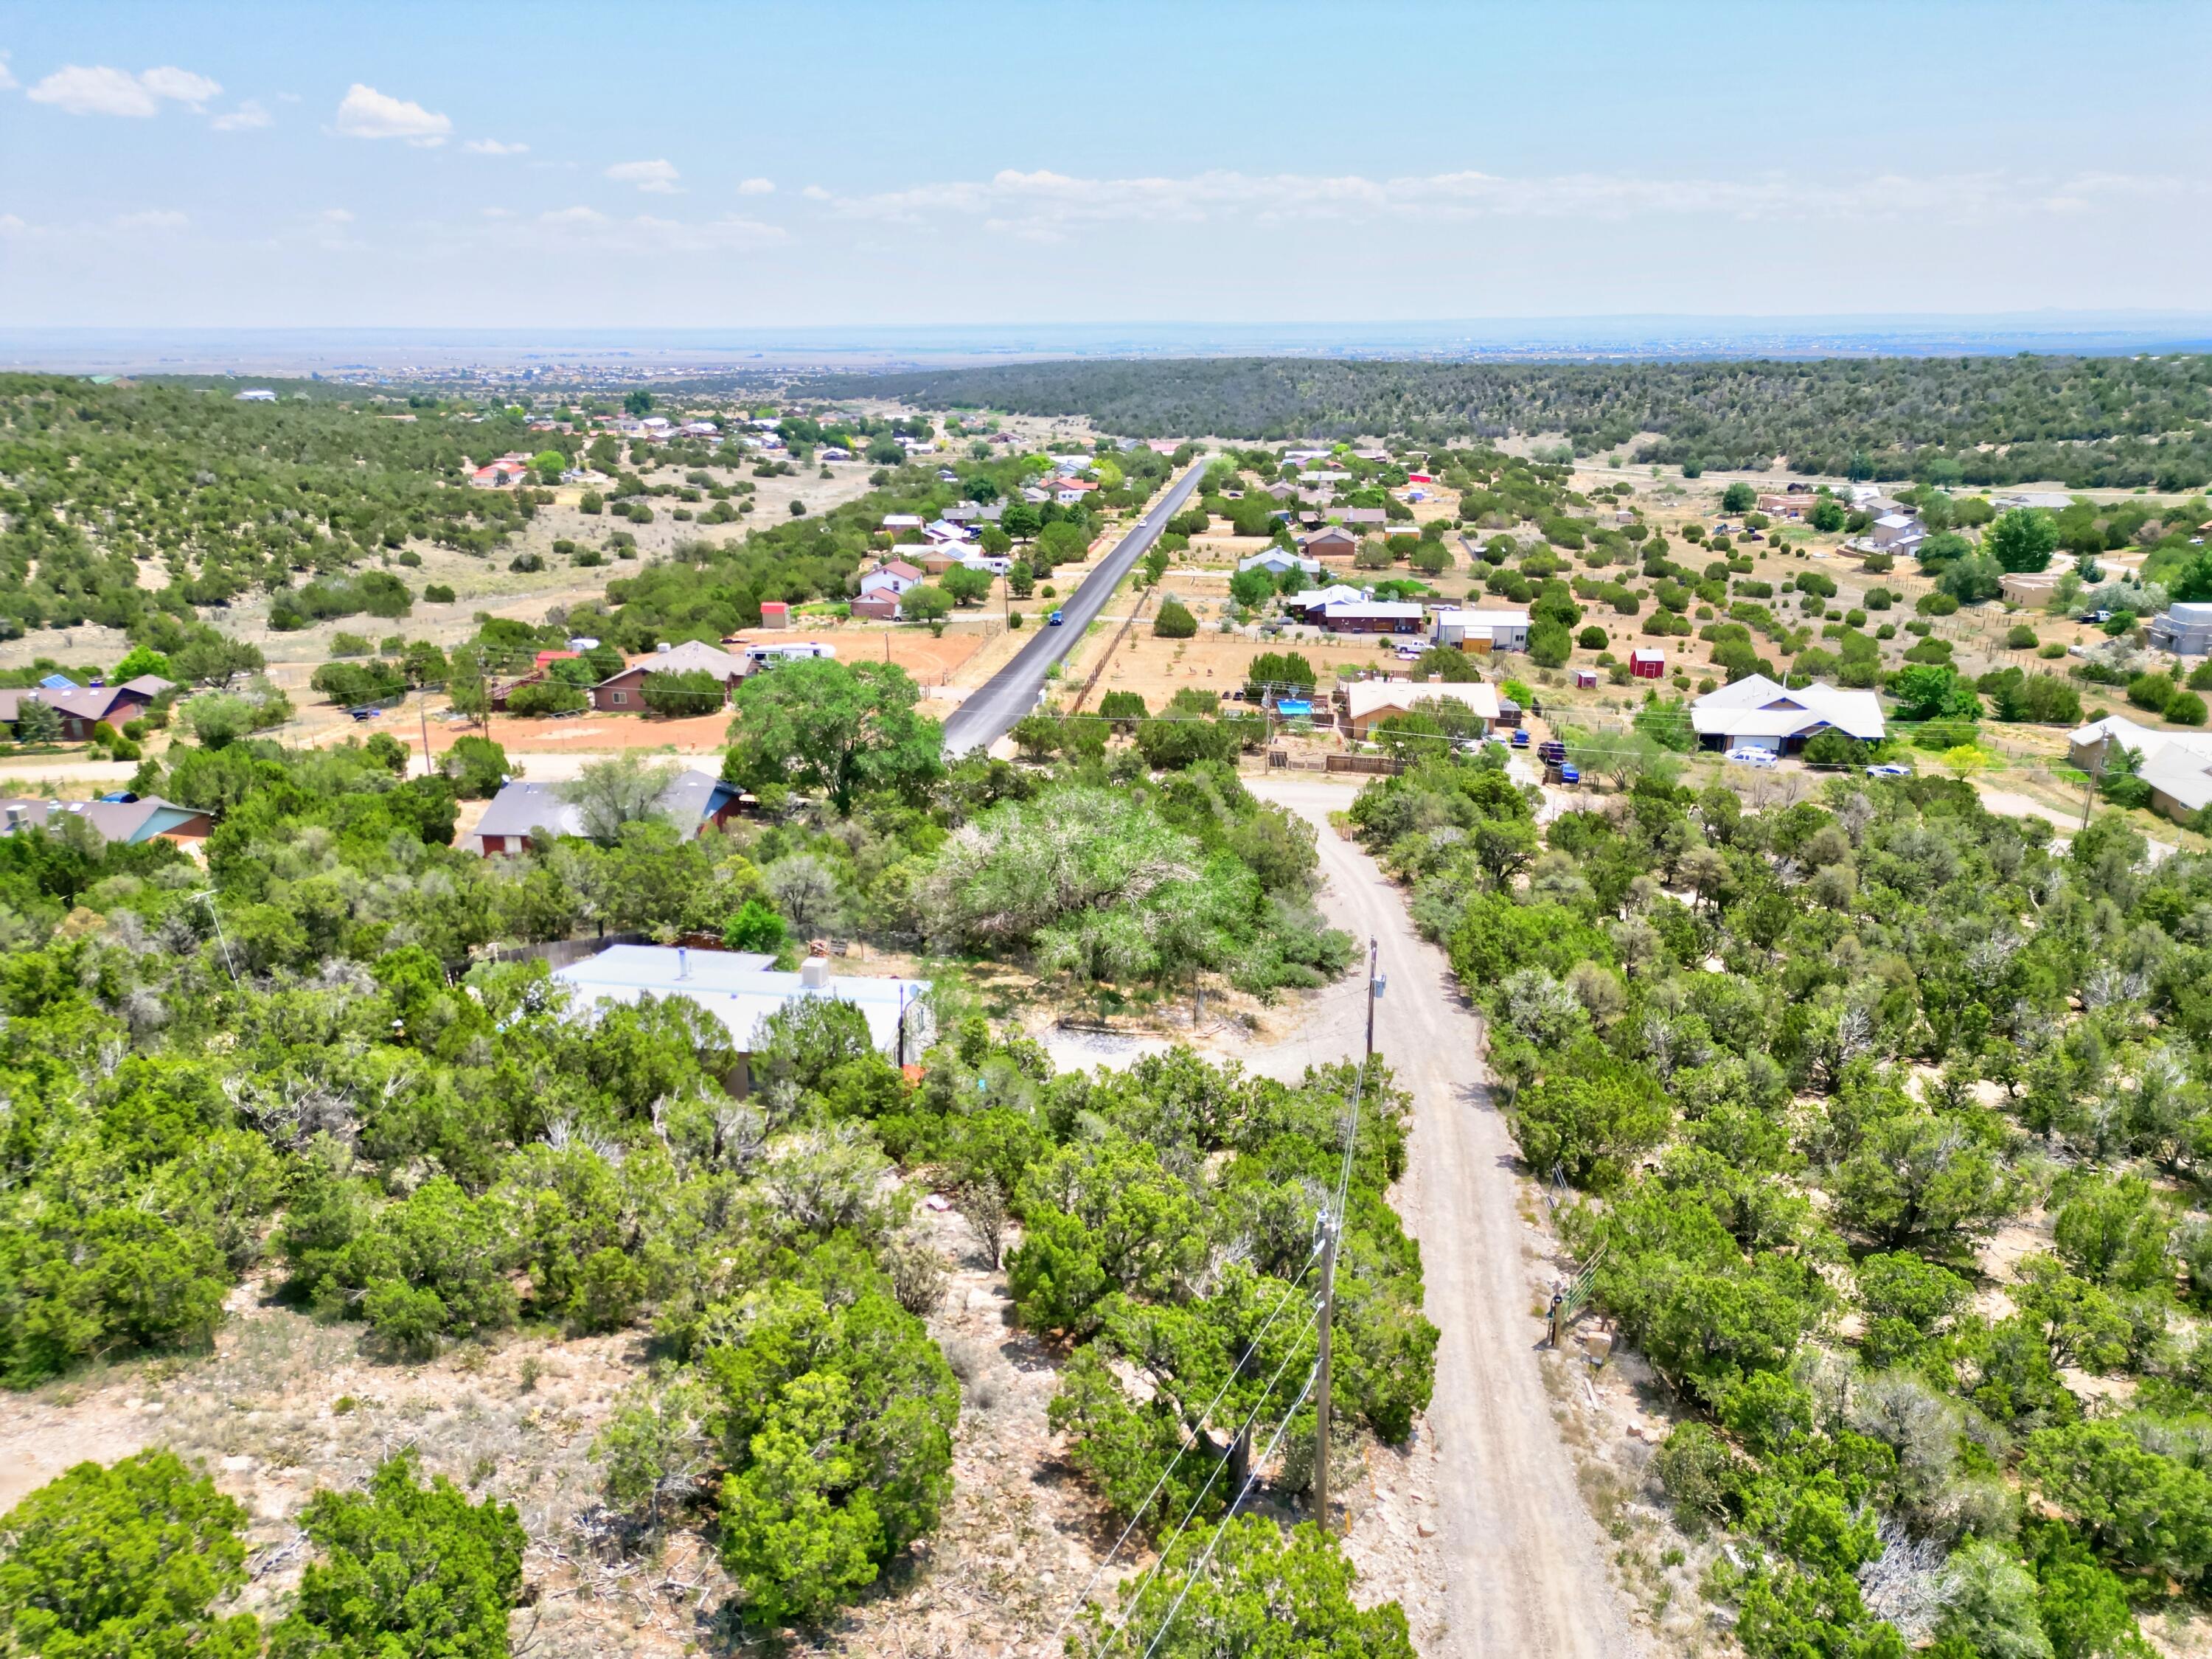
[694, 802]
[2176, 765]
[141, 818]
[1369, 701]
[1755, 713]
[624, 693]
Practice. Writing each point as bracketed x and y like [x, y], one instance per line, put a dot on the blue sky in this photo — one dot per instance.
[704, 165]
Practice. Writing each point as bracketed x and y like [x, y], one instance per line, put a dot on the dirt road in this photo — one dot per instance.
[1523, 1572]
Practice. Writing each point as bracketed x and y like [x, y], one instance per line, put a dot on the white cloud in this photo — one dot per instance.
[182, 85]
[655, 178]
[249, 114]
[11, 226]
[816, 193]
[1045, 205]
[338, 215]
[756, 187]
[493, 147]
[588, 228]
[160, 220]
[7, 81]
[365, 112]
[100, 90]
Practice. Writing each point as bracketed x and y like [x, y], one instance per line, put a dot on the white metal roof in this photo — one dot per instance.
[1756, 706]
[737, 988]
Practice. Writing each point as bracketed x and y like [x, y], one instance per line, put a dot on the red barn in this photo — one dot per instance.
[1648, 665]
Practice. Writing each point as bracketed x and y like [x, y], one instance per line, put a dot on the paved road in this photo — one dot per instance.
[992, 707]
[1523, 1572]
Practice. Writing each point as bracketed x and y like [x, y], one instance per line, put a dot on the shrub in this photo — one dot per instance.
[438, 593]
[405, 1568]
[476, 766]
[1592, 638]
[1174, 621]
[2151, 692]
[545, 697]
[129, 1561]
[2187, 709]
[1937, 604]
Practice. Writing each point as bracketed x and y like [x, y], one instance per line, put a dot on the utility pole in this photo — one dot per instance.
[1330, 1228]
[1332, 1221]
[1374, 994]
[422, 713]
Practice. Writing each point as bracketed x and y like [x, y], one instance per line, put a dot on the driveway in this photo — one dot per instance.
[1523, 1570]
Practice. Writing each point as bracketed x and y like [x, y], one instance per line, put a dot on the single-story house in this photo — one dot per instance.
[740, 990]
[507, 470]
[84, 707]
[1755, 713]
[2185, 629]
[2176, 765]
[1334, 542]
[1280, 490]
[947, 535]
[1368, 702]
[694, 802]
[1371, 616]
[2050, 500]
[962, 512]
[624, 693]
[893, 577]
[1483, 630]
[1792, 507]
[2030, 587]
[1648, 665]
[901, 521]
[876, 607]
[1070, 492]
[1357, 515]
[127, 818]
[1275, 561]
[1307, 606]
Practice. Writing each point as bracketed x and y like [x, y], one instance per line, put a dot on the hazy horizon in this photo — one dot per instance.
[335, 350]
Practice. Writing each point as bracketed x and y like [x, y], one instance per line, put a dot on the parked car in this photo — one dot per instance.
[1889, 771]
[1569, 775]
[1762, 758]
[1519, 737]
[366, 712]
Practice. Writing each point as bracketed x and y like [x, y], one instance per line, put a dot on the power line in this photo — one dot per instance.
[1239, 1438]
[1214, 1543]
[1190, 1439]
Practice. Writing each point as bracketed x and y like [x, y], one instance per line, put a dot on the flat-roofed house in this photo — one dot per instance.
[739, 991]
[1481, 631]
